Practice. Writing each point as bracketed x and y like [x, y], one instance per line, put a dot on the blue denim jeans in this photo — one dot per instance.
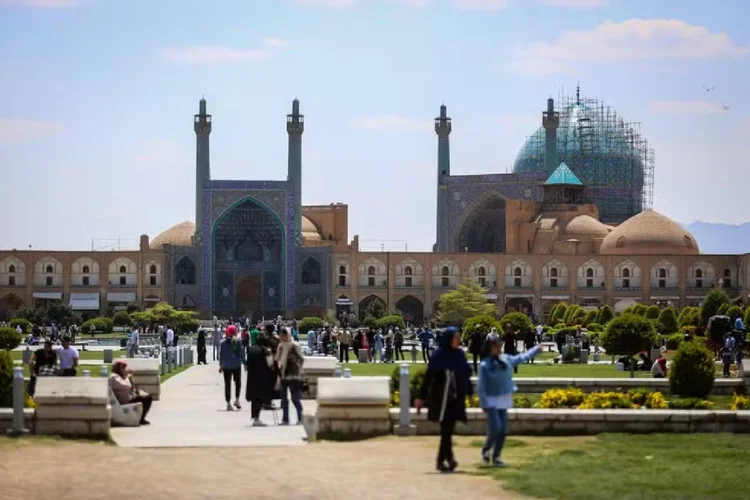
[296, 395]
[497, 429]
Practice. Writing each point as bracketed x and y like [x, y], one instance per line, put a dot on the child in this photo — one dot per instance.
[726, 359]
[496, 390]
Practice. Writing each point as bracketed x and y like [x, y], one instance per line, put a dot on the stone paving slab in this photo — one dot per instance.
[192, 413]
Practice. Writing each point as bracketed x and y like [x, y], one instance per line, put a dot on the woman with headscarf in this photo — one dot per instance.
[290, 361]
[312, 341]
[444, 389]
[261, 377]
[202, 347]
[231, 359]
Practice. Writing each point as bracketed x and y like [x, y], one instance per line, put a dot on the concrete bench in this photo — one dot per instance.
[317, 367]
[146, 375]
[354, 406]
[77, 407]
[127, 415]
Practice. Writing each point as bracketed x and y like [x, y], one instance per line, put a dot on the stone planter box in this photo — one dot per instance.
[76, 407]
[354, 407]
[146, 375]
[317, 367]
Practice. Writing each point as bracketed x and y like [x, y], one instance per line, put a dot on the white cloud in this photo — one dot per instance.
[391, 122]
[686, 107]
[481, 4]
[44, 4]
[630, 40]
[574, 4]
[16, 130]
[275, 43]
[207, 54]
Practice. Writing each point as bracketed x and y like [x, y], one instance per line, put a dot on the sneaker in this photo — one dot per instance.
[486, 456]
[229, 407]
[498, 463]
[258, 423]
[237, 404]
[452, 465]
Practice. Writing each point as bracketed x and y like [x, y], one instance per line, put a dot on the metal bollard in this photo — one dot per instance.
[19, 424]
[163, 362]
[86, 374]
[337, 371]
[404, 394]
[347, 373]
[103, 373]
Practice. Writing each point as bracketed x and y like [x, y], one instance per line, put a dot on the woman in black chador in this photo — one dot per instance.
[202, 347]
[444, 389]
[261, 377]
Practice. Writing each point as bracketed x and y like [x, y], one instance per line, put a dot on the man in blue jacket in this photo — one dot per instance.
[426, 338]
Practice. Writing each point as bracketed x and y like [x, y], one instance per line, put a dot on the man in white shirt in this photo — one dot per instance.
[135, 339]
[170, 336]
[68, 358]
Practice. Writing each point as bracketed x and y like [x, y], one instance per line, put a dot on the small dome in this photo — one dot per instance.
[585, 225]
[309, 230]
[649, 233]
[179, 235]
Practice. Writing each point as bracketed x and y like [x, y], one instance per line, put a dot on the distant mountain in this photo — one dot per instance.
[716, 238]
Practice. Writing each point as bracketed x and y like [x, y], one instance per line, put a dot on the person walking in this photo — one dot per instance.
[202, 347]
[495, 387]
[398, 344]
[475, 347]
[290, 362]
[425, 338]
[345, 340]
[216, 341]
[378, 347]
[133, 342]
[444, 389]
[261, 377]
[312, 341]
[231, 359]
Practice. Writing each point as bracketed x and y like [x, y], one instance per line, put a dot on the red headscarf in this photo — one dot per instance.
[231, 331]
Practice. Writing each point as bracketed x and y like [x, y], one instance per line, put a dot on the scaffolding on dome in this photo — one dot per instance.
[610, 155]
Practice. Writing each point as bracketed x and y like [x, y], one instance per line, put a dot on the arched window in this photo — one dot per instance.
[699, 278]
[482, 271]
[123, 269]
[662, 273]
[553, 272]
[699, 273]
[152, 269]
[311, 272]
[727, 278]
[86, 270]
[342, 269]
[626, 273]
[185, 272]
[445, 271]
[589, 278]
[589, 273]
[517, 272]
[371, 271]
[12, 269]
[407, 270]
[50, 269]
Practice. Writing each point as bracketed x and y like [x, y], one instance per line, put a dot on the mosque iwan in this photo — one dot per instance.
[571, 223]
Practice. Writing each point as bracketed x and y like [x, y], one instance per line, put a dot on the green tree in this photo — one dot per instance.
[711, 304]
[391, 321]
[467, 300]
[691, 317]
[571, 313]
[370, 322]
[722, 310]
[558, 313]
[605, 315]
[143, 318]
[375, 309]
[23, 323]
[733, 312]
[590, 317]
[9, 338]
[691, 373]
[627, 335]
[519, 322]
[133, 307]
[310, 323]
[667, 322]
[122, 319]
[484, 323]
[185, 321]
[653, 312]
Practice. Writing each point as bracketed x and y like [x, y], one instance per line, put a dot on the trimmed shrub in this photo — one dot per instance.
[653, 312]
[522, 402]
[606, 314]
[590, 317]
[6, 378]
[519, 322]
[639, 309]
[711, 304]
[667, 322]
[594, 327]
[484, 322]
[570, 313]
[577, 317]
[25, 324]
[690, 316]
[734, 312]
[560, 325]
[310, 323]
[674, 341]
[107, 324]
[122, 319]
[558, 313]
[391, 321]
[689, 404]
[746, 319]
[415, 382]
[370, 322]
[628, 334]
[722, 310]
[133, 307]
[691, 373]
[689, 330]
[9, 338]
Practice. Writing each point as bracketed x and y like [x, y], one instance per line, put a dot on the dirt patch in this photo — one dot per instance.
[378, 469]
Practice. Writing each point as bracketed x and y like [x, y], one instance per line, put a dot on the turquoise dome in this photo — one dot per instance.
[605, 153]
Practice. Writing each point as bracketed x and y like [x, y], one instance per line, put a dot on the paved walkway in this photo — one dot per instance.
[192, 413]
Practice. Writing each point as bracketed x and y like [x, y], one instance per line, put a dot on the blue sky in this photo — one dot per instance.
[96, 137]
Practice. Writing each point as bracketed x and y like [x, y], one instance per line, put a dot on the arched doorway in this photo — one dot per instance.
[248, 262]
[371, 305]
[519, 304]
[411, 308]
[9, 306]
[483, 231]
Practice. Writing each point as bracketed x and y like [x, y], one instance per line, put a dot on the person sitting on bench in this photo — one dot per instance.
[125, 392]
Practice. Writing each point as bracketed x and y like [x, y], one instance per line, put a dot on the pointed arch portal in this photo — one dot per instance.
[483, 230]
[411, 308]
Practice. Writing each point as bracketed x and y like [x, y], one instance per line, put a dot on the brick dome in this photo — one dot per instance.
[649, 233]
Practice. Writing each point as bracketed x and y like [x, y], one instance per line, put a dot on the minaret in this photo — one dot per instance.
[550, 122]
[295, 126]
[202, 126]
[443, 131]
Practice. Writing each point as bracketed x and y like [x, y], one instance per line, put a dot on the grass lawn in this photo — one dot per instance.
[626, 466]
[524, 371]
[82, 355]
[167, 376]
